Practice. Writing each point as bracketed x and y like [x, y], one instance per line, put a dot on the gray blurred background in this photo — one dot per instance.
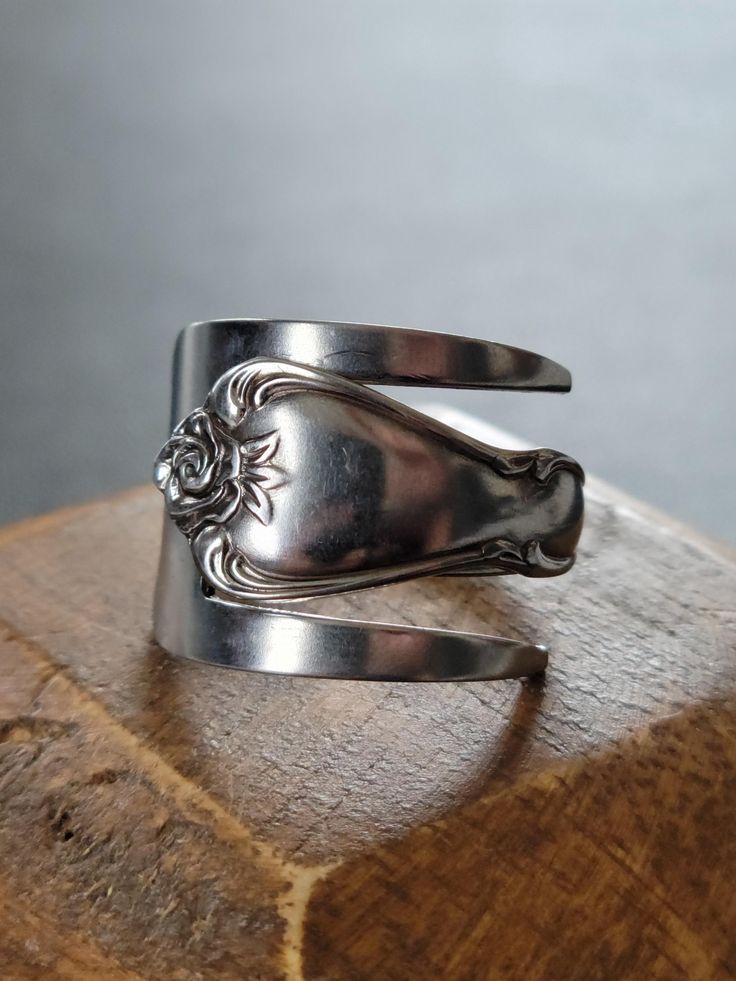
[558, 175]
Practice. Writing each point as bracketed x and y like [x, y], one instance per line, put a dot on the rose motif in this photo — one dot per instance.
[198, 473]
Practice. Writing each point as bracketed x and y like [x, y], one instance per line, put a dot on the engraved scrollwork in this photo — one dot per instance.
[251, 385]
[221, 466]
[227, 570]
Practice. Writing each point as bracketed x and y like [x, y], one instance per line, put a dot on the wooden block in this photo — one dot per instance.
[165, 820]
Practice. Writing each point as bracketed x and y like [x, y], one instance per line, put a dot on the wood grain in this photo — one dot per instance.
[162, 820]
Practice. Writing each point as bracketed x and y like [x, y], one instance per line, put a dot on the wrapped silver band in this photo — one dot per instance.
[290, 479]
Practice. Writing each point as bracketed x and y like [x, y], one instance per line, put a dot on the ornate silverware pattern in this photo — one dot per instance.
[278, 446]
[290, 481]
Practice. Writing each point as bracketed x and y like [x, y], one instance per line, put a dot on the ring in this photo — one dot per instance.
[286, 477]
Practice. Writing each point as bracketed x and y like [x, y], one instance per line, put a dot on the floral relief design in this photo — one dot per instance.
[259, 474]
[212, 480]
[205, 475]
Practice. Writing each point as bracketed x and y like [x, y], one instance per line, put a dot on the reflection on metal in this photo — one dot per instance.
[289, 478]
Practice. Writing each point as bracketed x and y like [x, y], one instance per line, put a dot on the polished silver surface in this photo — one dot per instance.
[368, 353]
[203, 628]
[289, 478]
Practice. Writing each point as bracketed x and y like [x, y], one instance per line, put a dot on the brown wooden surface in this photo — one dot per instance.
[162, 820]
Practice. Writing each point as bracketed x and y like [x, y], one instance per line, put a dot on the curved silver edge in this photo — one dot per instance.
[368, 353]
[252, 638]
